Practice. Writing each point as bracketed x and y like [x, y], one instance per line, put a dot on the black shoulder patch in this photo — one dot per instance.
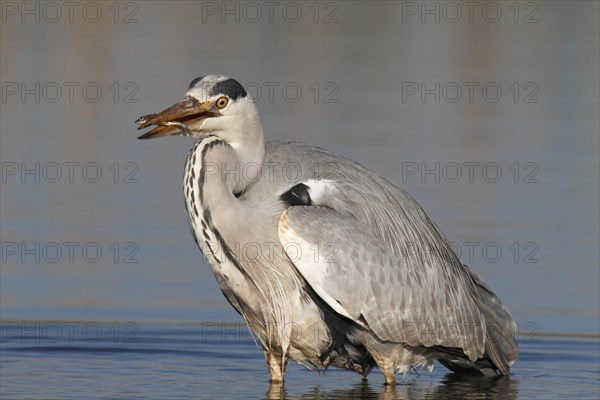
[297, 196]
[193, 83]
[230, 88]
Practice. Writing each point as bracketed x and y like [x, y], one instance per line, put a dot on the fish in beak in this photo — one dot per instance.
[175, 119]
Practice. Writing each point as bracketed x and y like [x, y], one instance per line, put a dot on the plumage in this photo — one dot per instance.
[334, 264]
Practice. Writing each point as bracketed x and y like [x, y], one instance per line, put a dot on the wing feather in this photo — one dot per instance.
[437, 286]
[356, 274]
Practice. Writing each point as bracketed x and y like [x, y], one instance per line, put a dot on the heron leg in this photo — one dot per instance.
[276, 367]
[387, 368]
[390, 377]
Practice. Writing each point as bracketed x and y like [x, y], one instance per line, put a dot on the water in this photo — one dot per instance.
[213, 360]
[92, 220]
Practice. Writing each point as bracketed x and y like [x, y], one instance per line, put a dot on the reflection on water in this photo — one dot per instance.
[106, 360]
[452, 386]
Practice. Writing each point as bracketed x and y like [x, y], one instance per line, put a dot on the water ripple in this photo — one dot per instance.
[183, 361]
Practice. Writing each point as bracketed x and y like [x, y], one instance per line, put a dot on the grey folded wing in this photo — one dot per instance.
[358, 276]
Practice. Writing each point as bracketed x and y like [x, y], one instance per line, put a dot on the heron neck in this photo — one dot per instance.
[217, 175]
[213, 181]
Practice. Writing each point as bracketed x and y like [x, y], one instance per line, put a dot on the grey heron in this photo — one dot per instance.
[331, 263]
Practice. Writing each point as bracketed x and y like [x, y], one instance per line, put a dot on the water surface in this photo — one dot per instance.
[74, 360]
[111, 240]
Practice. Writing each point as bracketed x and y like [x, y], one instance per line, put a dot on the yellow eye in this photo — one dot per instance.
[221, 102]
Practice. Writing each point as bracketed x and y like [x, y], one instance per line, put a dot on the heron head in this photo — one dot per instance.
[213, 105]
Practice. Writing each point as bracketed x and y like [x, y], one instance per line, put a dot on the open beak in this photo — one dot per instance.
[175, 119]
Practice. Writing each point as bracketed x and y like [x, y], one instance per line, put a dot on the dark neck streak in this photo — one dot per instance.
[206, 218]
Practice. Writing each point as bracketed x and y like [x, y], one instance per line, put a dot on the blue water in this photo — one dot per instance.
[111, 240]
[73, 360]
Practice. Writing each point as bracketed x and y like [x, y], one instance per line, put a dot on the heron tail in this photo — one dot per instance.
[501, 349]
[501, 346]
